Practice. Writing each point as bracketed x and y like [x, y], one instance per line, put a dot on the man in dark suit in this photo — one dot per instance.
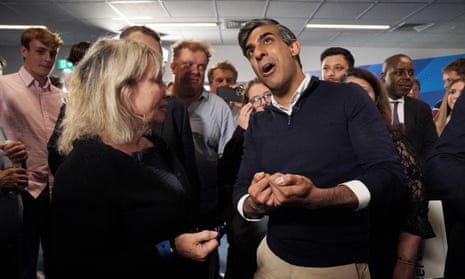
[175, 130]
[444, 177]
[397, 76]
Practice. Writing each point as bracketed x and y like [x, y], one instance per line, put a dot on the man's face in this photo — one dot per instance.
[39, 59]
[414, 91]
[272, 60]
[221, 78]
[189, 72]
[398, 78]
[449, 77]
[334, 67]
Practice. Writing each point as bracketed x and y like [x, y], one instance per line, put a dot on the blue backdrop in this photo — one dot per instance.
[427, 70]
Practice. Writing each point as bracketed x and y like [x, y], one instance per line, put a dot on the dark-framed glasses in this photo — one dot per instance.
[257, 100]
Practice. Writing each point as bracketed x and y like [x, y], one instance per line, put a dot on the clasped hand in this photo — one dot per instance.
[13, 178]
[14, 150]
[279, 189]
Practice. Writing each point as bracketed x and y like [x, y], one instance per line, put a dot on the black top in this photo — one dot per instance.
[110, 209]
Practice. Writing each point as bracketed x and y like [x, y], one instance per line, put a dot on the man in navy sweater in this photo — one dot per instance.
[315, 161]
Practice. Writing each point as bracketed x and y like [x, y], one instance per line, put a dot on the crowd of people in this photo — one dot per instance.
[123, 177]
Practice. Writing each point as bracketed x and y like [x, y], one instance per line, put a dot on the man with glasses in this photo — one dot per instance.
[397, 76]
[211, 122]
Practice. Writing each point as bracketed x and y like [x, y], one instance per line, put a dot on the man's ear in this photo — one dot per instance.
[295, 47]
[172, 67]
[24, 51]
[383, 77]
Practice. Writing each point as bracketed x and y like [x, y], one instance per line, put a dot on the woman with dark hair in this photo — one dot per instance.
[396, 234]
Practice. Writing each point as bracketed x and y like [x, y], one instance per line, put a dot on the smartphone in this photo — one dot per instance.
[230, 94]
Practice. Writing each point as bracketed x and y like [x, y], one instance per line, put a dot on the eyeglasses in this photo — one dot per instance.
[188, 65]
[256, 100]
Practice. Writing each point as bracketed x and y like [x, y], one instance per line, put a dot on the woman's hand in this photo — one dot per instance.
[196, 246]
[244, 116]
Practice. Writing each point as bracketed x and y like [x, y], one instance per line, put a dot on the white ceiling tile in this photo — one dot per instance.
[241, 10]
[190, 9]
[341, 11]
[291, 9]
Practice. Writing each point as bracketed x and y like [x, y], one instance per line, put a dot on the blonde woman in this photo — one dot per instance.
[121, 201]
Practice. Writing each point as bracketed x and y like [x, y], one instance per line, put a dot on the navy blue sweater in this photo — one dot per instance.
[335, 134]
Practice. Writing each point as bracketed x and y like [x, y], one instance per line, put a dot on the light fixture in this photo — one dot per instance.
[349, 26]
[21, 27]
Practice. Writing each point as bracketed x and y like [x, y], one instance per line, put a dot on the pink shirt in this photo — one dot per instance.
[28, 113]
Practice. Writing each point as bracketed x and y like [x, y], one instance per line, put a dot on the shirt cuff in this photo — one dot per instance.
[240, 208]
[361, 192]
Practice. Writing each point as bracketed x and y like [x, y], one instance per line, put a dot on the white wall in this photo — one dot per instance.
[310, 57]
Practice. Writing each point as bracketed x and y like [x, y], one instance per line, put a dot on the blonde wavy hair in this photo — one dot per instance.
[440, 119]
[99, 90]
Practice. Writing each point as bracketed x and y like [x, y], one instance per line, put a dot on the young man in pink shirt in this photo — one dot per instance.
[29, 106]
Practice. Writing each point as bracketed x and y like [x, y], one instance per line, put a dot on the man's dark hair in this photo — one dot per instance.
[286, 34]
[139, 28]
[457, 65]
[338, 51]
[3, 63]
[389, 62]
[77, 51]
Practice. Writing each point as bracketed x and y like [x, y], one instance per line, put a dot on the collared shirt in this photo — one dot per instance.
[28, 114]
[303, 85]
[400, 108]
[212, 126]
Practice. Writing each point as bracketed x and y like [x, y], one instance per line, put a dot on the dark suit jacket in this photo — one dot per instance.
[419, 127]
[445, 179]
[176, 132]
